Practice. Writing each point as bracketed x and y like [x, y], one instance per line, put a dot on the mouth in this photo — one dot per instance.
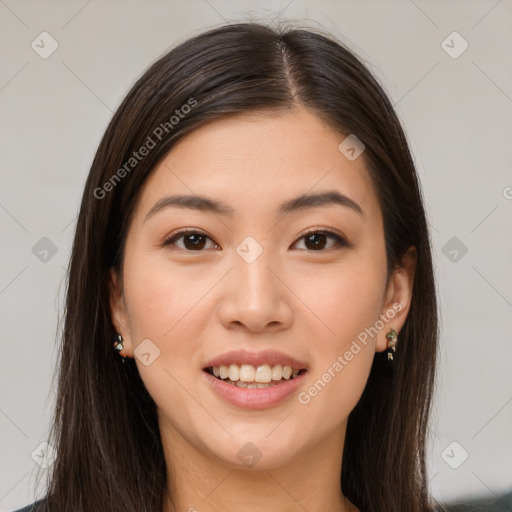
[252, 377]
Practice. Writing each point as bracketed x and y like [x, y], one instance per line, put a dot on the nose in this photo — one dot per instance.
[254, 297]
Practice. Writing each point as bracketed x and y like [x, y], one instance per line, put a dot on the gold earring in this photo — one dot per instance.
[392, 339]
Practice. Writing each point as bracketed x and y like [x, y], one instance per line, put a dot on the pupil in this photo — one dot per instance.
[196, 243]
[317, 245]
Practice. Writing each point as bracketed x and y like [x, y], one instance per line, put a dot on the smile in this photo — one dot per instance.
[251, 377]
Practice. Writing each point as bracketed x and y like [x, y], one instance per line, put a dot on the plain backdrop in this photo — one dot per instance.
[455, 103]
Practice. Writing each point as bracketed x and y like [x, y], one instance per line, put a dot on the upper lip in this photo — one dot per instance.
[270, 357]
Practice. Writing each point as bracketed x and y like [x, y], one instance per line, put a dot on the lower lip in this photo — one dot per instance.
[255, 398]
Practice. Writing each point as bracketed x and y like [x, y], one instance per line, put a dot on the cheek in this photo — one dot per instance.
[168, 305]
[333, 390]
[347, 302]
[162, 298]
[345, 298]
[165, 307]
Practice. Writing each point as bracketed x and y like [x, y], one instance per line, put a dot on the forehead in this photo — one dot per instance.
[256, 161]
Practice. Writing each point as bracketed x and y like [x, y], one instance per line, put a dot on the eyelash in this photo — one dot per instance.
[340, 241]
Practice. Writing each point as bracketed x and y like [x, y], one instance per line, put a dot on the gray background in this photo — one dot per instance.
[456, 112]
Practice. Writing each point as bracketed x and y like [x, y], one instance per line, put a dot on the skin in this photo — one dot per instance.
[195, 304]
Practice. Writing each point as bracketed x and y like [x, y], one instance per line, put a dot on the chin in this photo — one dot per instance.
[255, 452]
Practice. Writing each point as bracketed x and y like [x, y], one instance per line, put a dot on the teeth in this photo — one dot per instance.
[247, 375]
[234, 372]
[263, 374]
[277, 372]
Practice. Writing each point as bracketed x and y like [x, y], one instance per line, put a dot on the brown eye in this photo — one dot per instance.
[316, 240]
[192, 240]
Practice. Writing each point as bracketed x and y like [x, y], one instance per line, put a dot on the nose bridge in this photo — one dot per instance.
[254, 296]
[252, 262]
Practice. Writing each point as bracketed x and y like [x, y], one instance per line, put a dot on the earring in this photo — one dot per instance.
[118, 345]
[392, 339]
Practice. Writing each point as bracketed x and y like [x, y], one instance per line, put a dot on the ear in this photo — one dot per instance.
[398, 298]
[118, 313]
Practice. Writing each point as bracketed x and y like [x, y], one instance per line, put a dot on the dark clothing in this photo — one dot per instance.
[37, 506]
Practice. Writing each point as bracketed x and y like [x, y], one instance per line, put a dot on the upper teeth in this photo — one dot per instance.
[249, 373]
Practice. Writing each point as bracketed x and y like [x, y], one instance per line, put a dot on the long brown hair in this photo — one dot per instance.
[105, 429]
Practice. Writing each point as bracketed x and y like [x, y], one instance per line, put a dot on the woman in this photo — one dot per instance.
[251, 317]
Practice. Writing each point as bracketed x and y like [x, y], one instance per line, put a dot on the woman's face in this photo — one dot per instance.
[249, 278]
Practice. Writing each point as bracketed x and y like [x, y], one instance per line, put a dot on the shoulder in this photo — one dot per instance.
[37, 506]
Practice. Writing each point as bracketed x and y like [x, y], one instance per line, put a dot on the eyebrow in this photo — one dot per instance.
[206, 204]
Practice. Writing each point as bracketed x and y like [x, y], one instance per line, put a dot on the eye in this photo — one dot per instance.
[315, 239]
[195, 241]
